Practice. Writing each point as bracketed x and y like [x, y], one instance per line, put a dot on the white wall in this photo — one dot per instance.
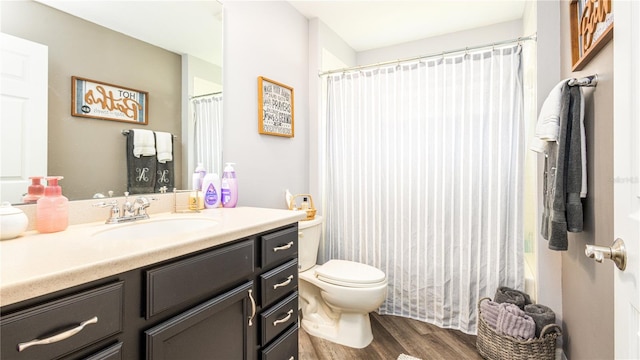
[453, 41]
[326, 48]
[270, 39]
[549, 263]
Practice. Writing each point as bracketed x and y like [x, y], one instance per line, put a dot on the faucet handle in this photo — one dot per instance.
[143, 203]
[115, 211]
[105, 204]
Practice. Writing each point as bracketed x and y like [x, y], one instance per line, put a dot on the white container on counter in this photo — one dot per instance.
[13, 221]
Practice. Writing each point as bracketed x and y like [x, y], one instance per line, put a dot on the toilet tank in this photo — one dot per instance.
[309, 233]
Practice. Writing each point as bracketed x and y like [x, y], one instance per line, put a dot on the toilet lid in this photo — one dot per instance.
[349, 273]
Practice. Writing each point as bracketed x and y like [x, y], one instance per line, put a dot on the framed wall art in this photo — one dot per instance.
[99, 100]
[275, 108]
[591, 29]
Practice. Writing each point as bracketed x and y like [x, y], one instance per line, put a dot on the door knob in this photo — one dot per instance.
[617, 253]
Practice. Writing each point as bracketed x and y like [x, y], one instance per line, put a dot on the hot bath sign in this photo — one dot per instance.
[99, 100]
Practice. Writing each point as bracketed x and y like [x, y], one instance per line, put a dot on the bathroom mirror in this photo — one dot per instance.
[177, 56]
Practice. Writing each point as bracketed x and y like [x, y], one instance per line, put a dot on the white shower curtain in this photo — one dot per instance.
[207, 117]
[424, 180]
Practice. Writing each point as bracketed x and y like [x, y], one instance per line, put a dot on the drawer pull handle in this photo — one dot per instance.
[55, 338]
[284, 319]
[292, 358]
[284, 283]
[283, 247]
[253, 308]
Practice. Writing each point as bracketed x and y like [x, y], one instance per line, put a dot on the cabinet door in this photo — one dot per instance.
[220, 328]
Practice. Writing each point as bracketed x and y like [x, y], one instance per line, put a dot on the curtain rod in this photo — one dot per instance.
[203, 95]
[360, 67]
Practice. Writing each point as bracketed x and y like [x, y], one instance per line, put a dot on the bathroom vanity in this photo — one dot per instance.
[224, 292]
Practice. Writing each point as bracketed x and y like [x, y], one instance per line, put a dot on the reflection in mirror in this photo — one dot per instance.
[99, 42]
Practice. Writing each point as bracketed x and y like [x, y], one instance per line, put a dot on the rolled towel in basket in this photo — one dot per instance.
[489, 311]
[511, 296]
[515, 323]
[541, 315]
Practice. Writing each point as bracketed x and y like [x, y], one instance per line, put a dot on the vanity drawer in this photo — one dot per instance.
[283, 348]
[279, 317]
[100, 309]
[113, 352]
[279, 282]
[198, 276]
[279, 245]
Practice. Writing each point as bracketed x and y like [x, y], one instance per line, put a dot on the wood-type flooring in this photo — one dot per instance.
[392, 336]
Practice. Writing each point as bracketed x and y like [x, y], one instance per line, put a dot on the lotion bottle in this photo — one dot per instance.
[52, 210]
[35, 190]
[198, 177]
[211, 191]
[229, 186]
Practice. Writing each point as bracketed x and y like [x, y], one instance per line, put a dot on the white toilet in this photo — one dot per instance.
[336, 297]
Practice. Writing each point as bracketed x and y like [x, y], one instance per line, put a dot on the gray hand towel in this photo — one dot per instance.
[512, 321]
[141, 171]
[563, 175]
[541, 315]
[489, 311]
[507, 295]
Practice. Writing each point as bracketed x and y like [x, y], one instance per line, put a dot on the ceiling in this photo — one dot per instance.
[188, 26]
[183, 27]
[368, 24]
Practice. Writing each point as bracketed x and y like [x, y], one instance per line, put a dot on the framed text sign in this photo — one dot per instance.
[275, 108]
[98, 100]
[591, 29]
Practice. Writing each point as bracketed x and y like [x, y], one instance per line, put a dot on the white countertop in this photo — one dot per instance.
[36, 264]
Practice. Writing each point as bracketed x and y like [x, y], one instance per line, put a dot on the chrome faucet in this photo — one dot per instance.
[130, 211]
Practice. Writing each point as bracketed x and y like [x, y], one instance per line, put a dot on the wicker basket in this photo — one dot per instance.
[498, 347]
[311, 212]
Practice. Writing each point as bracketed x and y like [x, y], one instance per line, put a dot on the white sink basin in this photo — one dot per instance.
[150, 229]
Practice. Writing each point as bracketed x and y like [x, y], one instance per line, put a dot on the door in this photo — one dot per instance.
[220, 328]
[626, 179]
[23, 117]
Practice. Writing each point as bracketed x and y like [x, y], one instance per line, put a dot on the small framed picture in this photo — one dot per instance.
[275, 108]
[99, 100]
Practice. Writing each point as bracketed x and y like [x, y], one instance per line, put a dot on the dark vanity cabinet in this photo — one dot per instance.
[234, 301]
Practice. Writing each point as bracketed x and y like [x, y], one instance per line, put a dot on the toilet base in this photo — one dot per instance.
[352, 329]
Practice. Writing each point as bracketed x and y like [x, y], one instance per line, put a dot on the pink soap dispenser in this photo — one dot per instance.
[35, 191]
[52, 211]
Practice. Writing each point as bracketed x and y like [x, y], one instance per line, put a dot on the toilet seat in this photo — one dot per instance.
[349, 274]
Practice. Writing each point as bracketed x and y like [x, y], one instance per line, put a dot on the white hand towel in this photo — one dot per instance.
[164, 146]
[144, 143]
[548, 125]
